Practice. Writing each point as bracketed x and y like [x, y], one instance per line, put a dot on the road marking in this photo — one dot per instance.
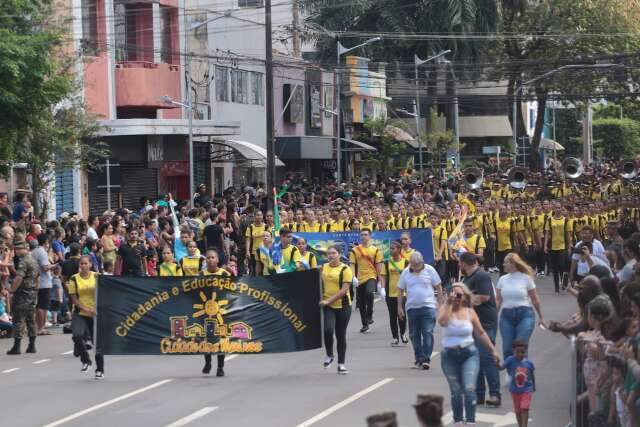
[107, 403]
[66, 352]
[344, 403]
[496, 420]
[198, 414]
[37, 362]
[377, 299]
[6, 371]
[233, 356]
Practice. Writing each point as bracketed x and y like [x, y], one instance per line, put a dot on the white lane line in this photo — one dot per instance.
[435, 354]
[344, 403]
[447, 418]
[37, 362]
[66, 352]
[107, 403]
[227, 358]
[189, 418]
[376, 300]
[6, 371]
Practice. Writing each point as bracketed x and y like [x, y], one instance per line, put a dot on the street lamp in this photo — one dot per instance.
[341, 50]
[187, 106]
[418, 62]
[544, 76]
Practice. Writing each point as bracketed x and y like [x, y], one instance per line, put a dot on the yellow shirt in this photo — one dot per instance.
[407, 253]
[218, 272]
[504, 228]
[475, 243]
[367, 226]
[255, 233]
[331, 284]
[191, 266]
[391, 224]
[169, 269]
[440, 237]
[392, 270]
[308, 261]
[312, 228]
[557, 228]
[265, 260]
[338, 226]
[84, 289]
[290, 257]
[364, 261]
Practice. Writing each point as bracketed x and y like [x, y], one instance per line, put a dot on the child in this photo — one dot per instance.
[108, 267]
[56, 293]
[523, 382]
[618, 407]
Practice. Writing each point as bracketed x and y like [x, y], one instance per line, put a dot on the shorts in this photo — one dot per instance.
[521, 401]
[44, 299]
[55, 305]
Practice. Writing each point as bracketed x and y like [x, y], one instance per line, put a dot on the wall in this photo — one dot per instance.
[282, 76]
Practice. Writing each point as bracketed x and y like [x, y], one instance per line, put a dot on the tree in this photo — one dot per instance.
[388, 148]
[617, 139]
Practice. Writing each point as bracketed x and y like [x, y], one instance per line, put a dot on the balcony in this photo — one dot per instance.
[142, 84]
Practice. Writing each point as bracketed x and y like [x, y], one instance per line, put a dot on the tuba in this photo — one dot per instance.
[627, 169]
[518, 177]
[572, 167]
[473, 178]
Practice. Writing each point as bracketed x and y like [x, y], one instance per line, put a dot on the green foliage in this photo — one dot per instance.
[391, 153]
[617, 139]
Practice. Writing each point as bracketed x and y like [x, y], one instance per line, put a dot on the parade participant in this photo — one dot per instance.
[82, 288]
[423, 289]
[311, 225]
[192, 264]
[307, 258]
[460, 359]
[440, 248]
[405, 241]
[516, 294]
[505, 233]
[265, 261]
[391, 271]
[253, 236]
[484, 304]
[556, 242]
[169, 267]
[298, 226]
[366, 262]
[25, 292]
[336, 307]
[289, 254]
[587, 253]
[474, 242]
[212, 269]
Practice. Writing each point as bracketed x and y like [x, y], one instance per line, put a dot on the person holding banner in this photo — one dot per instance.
[307, 258]
[191, 265]
[169, 267]
[366, 262]
[391, 271]
[212, 269]
[405, 241]
[82, 291]
[336, 307]
[265, 265]
[289, 254]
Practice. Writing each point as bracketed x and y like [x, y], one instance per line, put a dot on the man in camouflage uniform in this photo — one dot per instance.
[25, 293]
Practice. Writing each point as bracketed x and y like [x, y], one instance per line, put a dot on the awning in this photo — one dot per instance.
[550, 144]
[400, 135]
[353, 145]
[249, 151]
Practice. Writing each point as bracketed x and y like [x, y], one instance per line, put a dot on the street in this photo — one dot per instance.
[283, 390]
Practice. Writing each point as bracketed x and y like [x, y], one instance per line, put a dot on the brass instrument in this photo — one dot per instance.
[473, 178]
[518, 177]
[627, 169]
[572, 167]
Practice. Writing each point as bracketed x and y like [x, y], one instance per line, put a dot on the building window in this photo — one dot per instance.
[240, 86]
[166, 54]
[133, 38]
[257, 96]
[120, 31]
[250, 3]
[222, 84]
[89, 27]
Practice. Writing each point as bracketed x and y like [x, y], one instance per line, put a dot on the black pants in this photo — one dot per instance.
[336, 321]
[452, 270]
[490, 253]
[558, 261]
[207, 360]
[441, 269]
[500, 256]
[394, 320]
[540, 259]
[364, 293]
[81, 329]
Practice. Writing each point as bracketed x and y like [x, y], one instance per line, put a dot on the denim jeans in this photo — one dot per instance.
[516, 324]
[461, 366]
[421, 323]
[488, 368]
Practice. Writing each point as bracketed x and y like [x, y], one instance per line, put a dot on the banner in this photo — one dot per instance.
[209, 314]
[421, 240]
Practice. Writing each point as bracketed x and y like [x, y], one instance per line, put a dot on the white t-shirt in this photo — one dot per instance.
[515, 288]
[597, 255]
[92, 233]
[419, 287]
[40, 254]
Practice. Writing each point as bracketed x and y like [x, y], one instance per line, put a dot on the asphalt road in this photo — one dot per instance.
[285, 390]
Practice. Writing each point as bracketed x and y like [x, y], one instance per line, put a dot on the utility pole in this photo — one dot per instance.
[297, 49]
[271, 167]
[587, 133]
[189, 107]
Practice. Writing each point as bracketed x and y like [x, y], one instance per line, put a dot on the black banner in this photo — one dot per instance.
[210, 314]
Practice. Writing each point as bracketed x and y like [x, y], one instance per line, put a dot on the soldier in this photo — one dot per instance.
[25, 291]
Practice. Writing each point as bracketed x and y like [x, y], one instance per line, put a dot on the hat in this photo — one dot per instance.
[19, 242]
[386, 419]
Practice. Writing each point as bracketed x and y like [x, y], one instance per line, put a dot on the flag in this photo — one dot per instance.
[276, 209]
[179, 249]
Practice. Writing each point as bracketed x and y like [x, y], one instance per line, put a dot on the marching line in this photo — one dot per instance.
[66, 352]
[198, 414]
[6, 371]
[107, 403]
[37, 362]
[344, 403]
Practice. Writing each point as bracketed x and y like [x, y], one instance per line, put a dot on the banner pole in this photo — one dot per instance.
[95, 320]
[573, 383]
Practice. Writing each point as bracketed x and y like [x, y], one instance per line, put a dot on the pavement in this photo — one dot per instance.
[280, 390]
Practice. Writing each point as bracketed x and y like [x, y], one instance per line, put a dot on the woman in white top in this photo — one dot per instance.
[515, 294]
[631, 254]
[460, 359]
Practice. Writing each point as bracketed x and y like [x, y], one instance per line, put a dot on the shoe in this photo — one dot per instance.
[85, 367]
[99, 375]
[342, 370]
[480, 401]
[404, 339]
[16, 347]
[417, 365]
[32, 345]
[89, 345]
[220, 372]
[207, 369]
[370, 321]
[328, 362]
[493, 402]
[364, 329]
[426, 366]
[395, 343]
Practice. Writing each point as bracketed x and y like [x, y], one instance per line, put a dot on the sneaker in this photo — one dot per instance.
[220, 372]
[493, 402]
[206, 370]
[417, 365]
[342, 370]
[328, 362]
[99, 375]
[404, 339]
[395, 343]
[89, 345]
[426, 366]
[364, 329]
[85, 367]
[370, 321]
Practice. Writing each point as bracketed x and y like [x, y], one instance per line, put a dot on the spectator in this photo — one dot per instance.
[41, 255]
